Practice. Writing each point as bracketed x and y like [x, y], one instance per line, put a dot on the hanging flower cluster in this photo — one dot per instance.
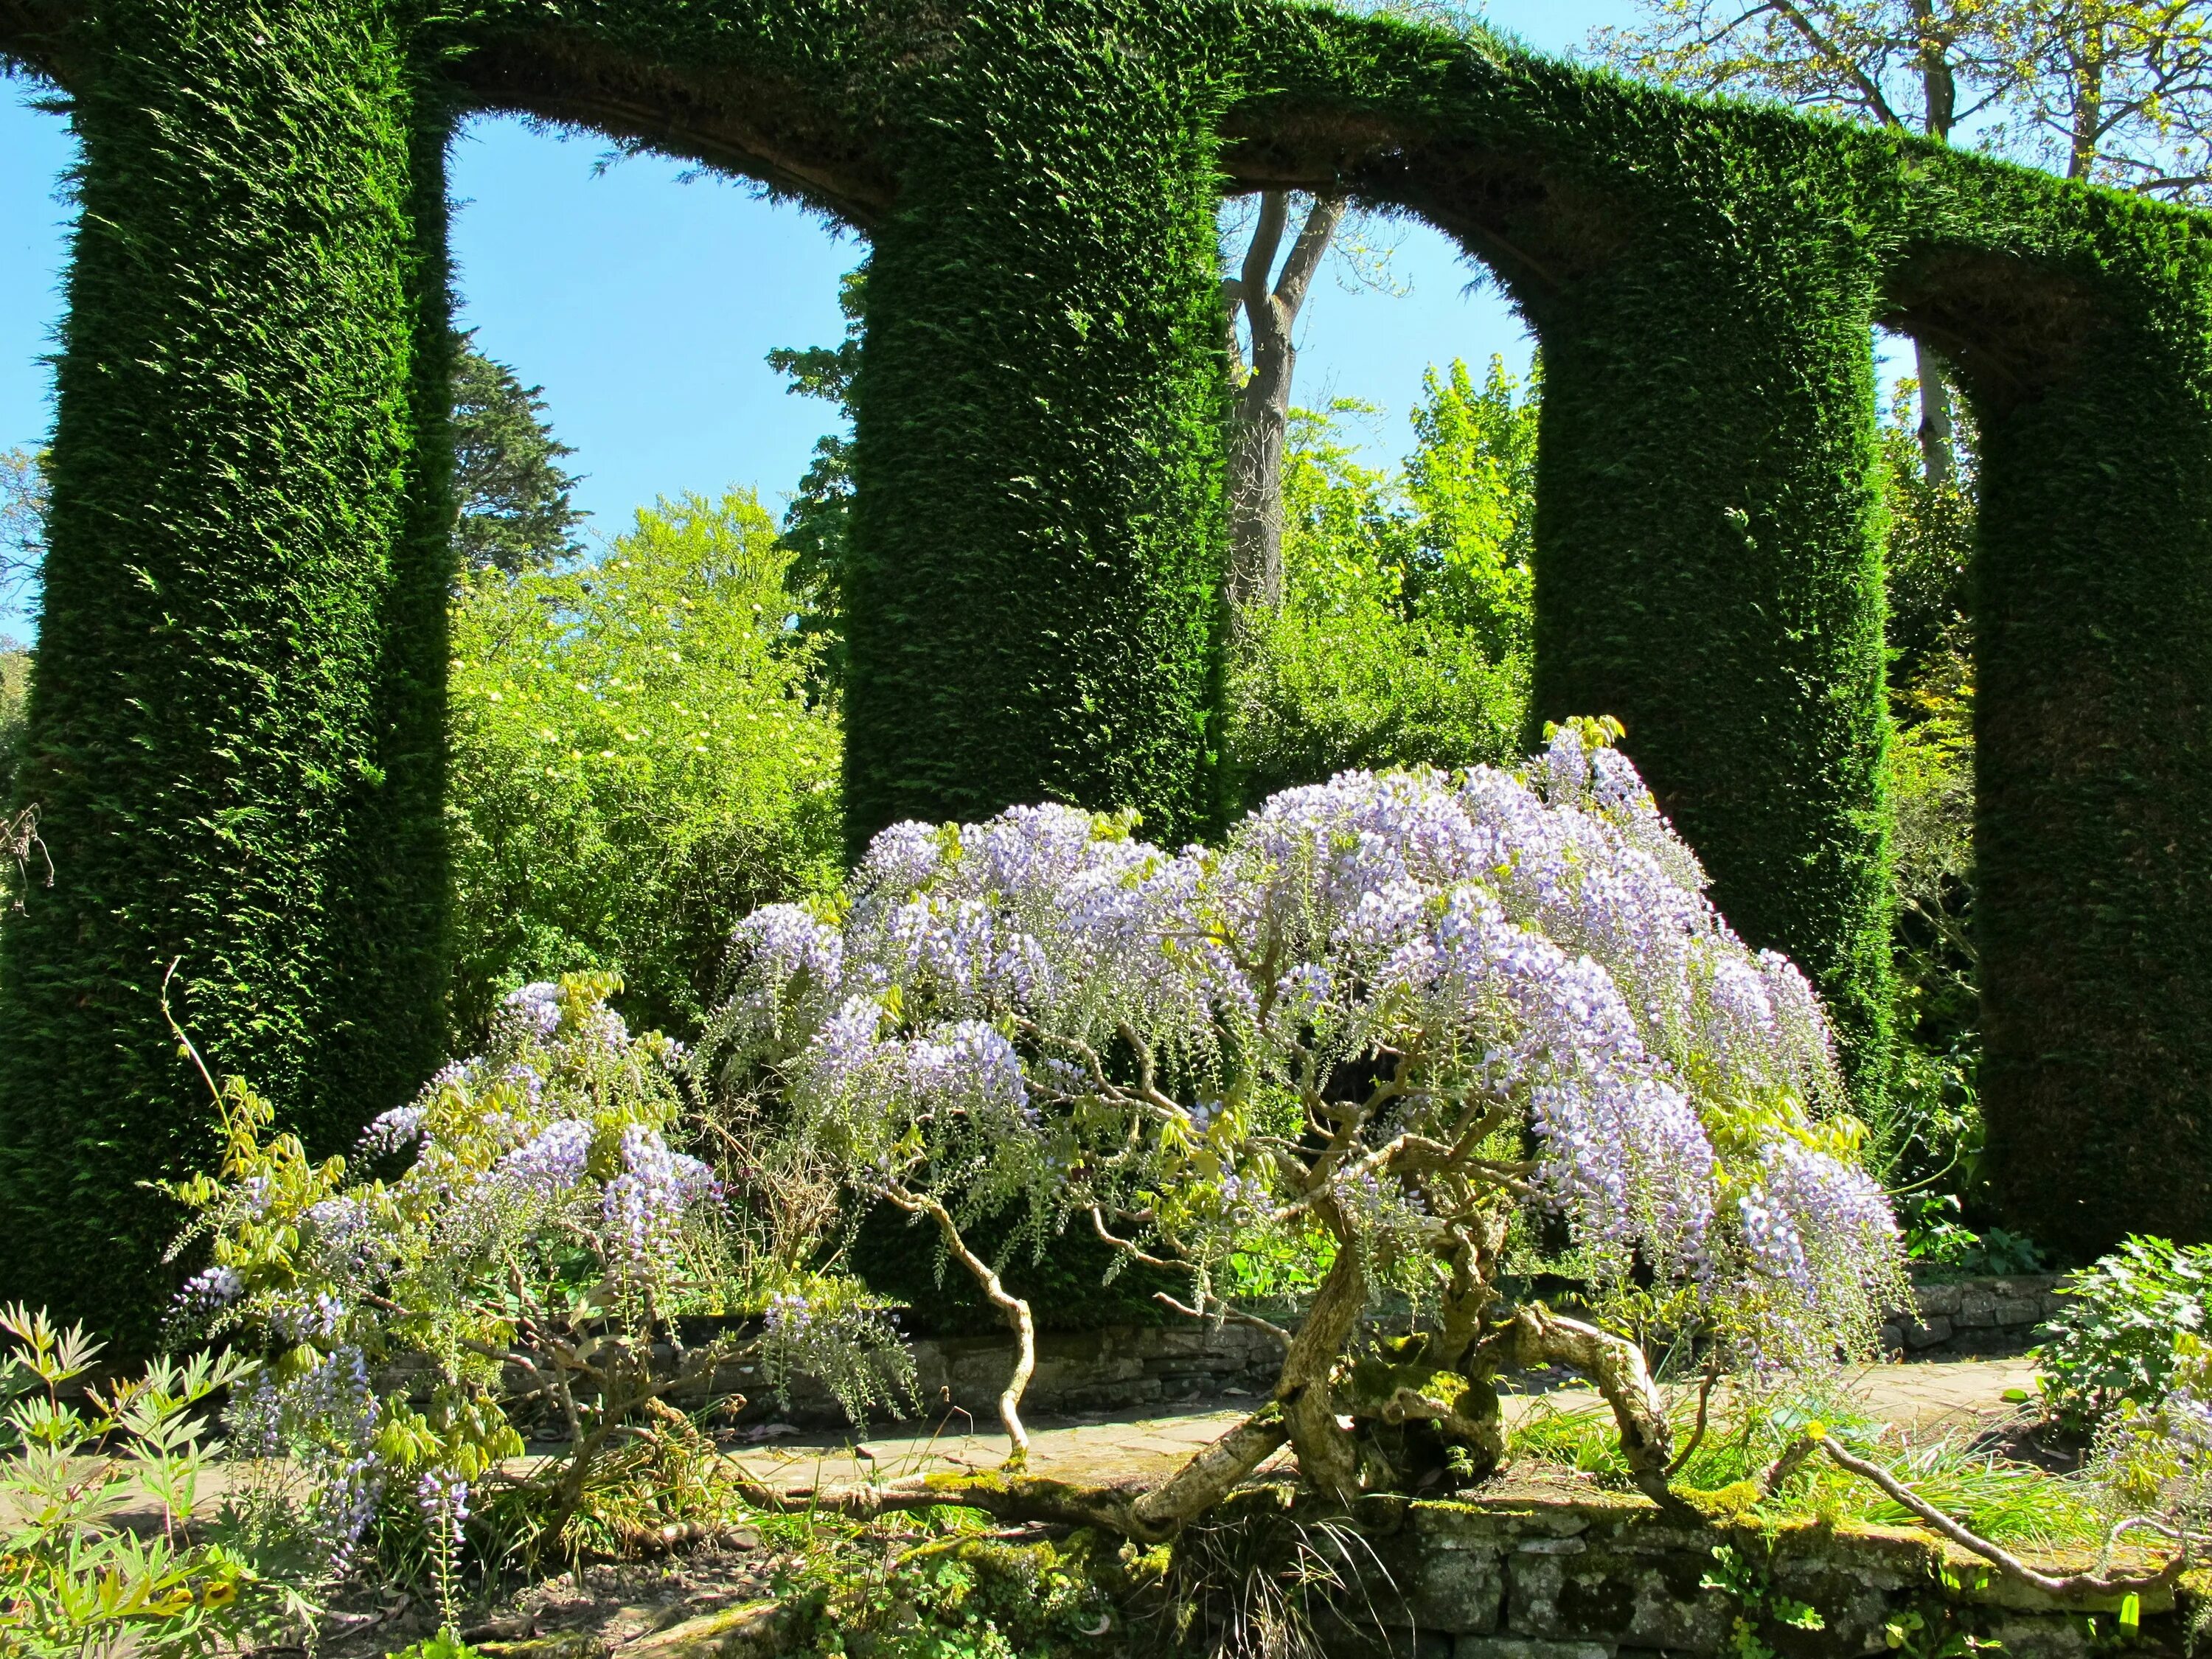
[536, 1240]
[1384, 1005]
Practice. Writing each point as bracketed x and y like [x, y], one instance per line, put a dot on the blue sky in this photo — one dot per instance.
[644, 303]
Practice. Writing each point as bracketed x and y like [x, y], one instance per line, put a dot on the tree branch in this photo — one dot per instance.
[1015, 1310]
[2079, 1584]
[1307, 253]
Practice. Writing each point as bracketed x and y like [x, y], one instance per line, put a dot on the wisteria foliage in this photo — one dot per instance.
[1387, 1011]
[537, 1253]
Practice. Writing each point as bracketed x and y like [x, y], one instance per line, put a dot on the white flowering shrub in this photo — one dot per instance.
[537, 1254]
[1388, 1020]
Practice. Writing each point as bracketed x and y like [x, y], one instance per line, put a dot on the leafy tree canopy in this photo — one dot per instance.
[1403, 637]
[634, 763]
[2113, 92]
[22, 518]
[512, 495]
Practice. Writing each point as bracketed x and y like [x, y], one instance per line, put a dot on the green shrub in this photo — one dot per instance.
[634, 765]
[1942, 1245]
[1314, 696]
[530, 1261]
[1403, 638]
[953, 1597]
[2115, 1342]
[73, 1578]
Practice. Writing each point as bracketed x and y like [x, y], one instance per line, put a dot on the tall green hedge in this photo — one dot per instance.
[236, 740]
[2084, 326]
[236, 730]
[1038, 529]
[1708, 539]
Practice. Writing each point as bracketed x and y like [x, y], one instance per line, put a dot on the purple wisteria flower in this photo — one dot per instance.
[552, 1162]
[210, 1289]
[441, 1497]
[1539, 942]
[326, 1419]
[534, 1009]
[345, 1501]
[788, 1316]
[644, 1206]
[309, 1318]
[397, 1130]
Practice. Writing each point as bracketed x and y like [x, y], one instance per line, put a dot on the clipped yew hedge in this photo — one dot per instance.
[236, 738]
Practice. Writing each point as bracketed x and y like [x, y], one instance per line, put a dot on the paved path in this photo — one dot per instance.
[1928, 1398]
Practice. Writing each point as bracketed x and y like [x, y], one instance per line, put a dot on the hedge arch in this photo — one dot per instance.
[237, 728]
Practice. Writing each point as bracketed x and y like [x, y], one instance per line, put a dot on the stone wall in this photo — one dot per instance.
[1127, 1367]
[1534, 1574]
[1974, 1316]
[1114, 1369]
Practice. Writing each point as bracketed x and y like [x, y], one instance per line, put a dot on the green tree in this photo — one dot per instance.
[22, 855]
[1263, 362]
[815, 523]
[1472, 483]
[510, 493]
[14, 693]
[23, 519]
[22, 545]
[1401, 638]
[634, 763]
[2114, 92]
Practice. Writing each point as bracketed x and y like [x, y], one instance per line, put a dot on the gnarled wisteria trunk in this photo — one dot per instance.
[1391, 1023]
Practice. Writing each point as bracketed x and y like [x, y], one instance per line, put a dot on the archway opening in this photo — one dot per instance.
[34, 258]
[1928, 1134]
[2088, 607]
[645, 733]
[1386, 405]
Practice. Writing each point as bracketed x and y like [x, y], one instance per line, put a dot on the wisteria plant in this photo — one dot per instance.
[1390, 1020]
[538, 1252]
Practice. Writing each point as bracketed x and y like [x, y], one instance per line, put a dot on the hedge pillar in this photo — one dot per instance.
[236, 758]
[1708, 569]
[2093, 903]
[1039, 528]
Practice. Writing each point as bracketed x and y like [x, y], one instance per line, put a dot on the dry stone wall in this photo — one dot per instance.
[1539, 1573]
[1105, 1371]
[1975, 1317]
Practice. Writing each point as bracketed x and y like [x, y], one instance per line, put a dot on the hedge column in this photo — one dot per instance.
[2094, 728]
[1039, 530]
[236, 760]
[1708, 569]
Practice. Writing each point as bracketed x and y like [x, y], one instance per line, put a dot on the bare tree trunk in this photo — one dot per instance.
[1012, 1309]
[1936, 455]
[1326, 1454]
[1939, 85]
[1538, 1336]
[2089, 105]
[1263, 406]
